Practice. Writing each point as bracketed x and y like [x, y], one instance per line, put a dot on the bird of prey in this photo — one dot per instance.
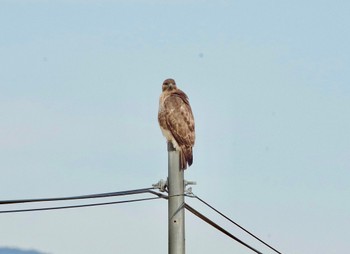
[176, 121]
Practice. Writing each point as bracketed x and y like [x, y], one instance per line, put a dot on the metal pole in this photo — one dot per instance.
[176, 211]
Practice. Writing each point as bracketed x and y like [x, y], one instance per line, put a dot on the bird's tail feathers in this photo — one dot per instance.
[186, 157]
[183, 162]
[189, 157]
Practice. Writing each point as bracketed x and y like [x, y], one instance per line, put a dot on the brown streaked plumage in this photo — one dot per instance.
[176, 121]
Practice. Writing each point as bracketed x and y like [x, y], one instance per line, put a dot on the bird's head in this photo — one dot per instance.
[169, 85]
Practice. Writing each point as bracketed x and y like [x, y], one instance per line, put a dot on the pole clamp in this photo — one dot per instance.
[161, 185]
[188, 191]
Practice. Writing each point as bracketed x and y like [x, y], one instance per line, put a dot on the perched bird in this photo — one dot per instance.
[176, 121]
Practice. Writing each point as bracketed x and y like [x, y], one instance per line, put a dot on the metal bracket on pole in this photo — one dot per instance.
[190, 183]
[161, 185]
[188, 191]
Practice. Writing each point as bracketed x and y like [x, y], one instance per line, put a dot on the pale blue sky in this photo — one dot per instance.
[269, 86]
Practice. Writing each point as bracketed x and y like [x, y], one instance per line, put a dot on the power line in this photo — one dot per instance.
[195, 212]
[91, 196]
[81, 197]
[210, 222]
[245, 230]
[125, 193]
[77, 206]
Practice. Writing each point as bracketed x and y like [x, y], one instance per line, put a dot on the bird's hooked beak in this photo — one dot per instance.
[171, 85]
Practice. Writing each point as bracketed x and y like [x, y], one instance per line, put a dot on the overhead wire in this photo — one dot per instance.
[81, 197]
[77, 206]
[207, 220]
[210, 222]
[90, 196]
[125, 193]
[235, 223]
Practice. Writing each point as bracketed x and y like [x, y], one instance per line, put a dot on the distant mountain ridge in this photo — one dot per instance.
[18, 251]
